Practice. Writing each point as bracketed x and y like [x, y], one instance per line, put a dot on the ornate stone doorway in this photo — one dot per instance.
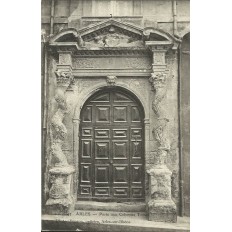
[111, 154]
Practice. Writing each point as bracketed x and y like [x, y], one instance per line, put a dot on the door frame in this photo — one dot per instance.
[113, 90]
[76, 123]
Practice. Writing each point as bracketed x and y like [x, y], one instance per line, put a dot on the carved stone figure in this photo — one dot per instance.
[159, 133]
[60, 198]
[111, 80]
[58, 130]
[158, 81]
[58, 155]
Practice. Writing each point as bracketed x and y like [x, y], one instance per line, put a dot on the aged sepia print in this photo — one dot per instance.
[115, 115]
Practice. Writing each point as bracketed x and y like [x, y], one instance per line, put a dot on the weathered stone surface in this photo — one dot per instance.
[59, 206]
[60, 197]
[162, 211]
[160, 206]
[61, 174]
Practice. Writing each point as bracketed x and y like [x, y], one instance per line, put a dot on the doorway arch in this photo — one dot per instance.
[111, 147]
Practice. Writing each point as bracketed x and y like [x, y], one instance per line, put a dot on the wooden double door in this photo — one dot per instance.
[111, 157]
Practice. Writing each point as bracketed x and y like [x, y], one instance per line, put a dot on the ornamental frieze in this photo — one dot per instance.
[112, 62]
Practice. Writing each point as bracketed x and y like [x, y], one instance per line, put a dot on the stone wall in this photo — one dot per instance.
[144, 13]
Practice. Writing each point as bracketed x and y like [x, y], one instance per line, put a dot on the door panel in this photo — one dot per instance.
[135, 117]
[103, 114]
[111, 160]
[86, 148]
[120, 174]
[86, 173]
[101, 174]
[102, 150]
[120, 150]
[120, 113]
[87, 115]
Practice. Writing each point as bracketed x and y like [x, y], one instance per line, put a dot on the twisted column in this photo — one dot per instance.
[60, 199]
[160, 205]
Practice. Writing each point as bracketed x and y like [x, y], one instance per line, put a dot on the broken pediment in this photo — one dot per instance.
[110, 34]
[107, 34]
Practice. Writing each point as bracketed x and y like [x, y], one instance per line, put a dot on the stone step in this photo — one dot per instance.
[111, 206]
[86, 220]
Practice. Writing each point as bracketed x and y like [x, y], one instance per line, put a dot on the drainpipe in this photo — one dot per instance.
[44, 106]
[52, 17]
[180, 136]
[174, 3]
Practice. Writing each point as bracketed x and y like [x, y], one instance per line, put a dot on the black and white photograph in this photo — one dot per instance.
[115, 115]
[99, 116]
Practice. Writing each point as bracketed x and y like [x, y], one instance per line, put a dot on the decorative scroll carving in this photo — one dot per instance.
[111, 80]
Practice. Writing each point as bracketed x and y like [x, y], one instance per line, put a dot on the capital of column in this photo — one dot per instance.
[64, 76]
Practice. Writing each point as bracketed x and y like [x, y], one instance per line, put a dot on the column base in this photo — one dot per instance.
[60, 200]
[60, 206]
[162, 211]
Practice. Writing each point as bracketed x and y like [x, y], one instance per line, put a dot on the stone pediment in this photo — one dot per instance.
[107, 34]
[112, 37]
[110, 34]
